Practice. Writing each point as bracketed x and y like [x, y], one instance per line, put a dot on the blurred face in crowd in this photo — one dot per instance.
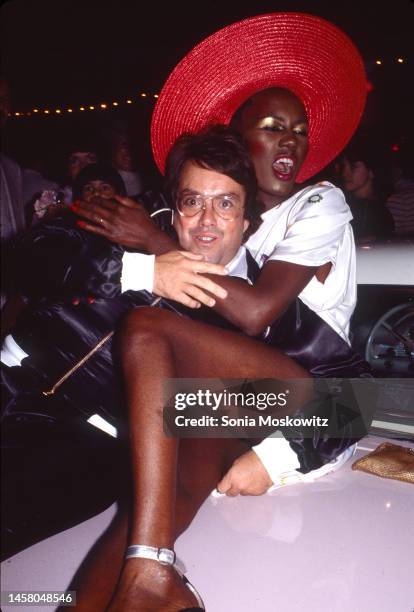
[275, 126]
[356, 178]
[97, 188]
[213, 228]
[78, 160]
[122, 156]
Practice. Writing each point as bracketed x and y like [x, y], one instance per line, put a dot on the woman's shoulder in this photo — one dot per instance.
[317, 192]
[320, 198]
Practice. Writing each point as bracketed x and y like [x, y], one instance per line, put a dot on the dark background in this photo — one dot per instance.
[61, 53]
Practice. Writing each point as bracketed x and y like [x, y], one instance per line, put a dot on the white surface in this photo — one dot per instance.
[386, 263]
[342, 543]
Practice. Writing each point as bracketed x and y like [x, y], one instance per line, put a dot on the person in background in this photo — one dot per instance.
[79, 156]
[98, 180]
[11, 181]
[364, 173]
[49, 201]
[12, 214]
[401, 202]
[122, 159]
[34, 179]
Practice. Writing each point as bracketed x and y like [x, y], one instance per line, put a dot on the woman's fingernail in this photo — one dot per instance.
[81, 223]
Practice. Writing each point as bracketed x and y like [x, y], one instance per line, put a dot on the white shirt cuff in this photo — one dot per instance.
[137, 272]
[277, 457]
[11, 353]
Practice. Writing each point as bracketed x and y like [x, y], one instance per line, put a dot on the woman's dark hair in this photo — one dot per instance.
[98, 172]
[223, 150]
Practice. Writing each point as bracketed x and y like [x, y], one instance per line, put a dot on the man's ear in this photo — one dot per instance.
[246, 224]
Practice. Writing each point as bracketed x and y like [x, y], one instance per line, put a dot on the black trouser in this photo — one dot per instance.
[58, 469]
[55, 474]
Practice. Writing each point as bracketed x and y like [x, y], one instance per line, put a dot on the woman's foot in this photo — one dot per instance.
[146, 585]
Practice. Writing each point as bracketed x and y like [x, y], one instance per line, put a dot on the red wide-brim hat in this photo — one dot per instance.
[303, 53]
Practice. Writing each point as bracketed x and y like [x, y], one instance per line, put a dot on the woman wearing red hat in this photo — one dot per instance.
[294, 85]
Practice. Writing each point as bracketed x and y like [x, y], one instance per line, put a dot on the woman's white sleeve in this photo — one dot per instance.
[315, 226]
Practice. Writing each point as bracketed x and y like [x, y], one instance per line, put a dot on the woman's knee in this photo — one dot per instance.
[143, 323]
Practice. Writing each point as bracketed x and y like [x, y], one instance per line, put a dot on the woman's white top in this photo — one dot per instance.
[312, 228]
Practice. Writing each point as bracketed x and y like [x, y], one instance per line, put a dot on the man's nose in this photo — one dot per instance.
[208, 215]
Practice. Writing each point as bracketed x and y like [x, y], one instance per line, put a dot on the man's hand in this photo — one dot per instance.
[179, 276]
[247, 476]
[123, 221]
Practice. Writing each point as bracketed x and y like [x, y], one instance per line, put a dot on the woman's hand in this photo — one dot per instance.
[179, 276]
[121, 220]
[247, 476]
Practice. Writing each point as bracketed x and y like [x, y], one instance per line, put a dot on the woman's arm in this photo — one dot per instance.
[125, 222]
[253, 307]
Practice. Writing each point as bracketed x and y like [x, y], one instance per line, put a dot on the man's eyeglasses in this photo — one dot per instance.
[225, 206]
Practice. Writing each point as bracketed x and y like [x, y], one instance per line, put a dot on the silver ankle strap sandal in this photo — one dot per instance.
[165, 556]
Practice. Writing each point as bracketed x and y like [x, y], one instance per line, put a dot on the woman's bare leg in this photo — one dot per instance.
[158, 345]
[201, 465]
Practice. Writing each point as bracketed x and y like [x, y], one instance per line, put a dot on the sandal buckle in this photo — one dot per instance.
[165, 556]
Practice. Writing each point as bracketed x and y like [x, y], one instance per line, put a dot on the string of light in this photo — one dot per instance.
[83, 108]
[112, 105]
[380, 62]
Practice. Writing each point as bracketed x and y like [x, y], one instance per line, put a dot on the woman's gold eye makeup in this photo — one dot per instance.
[273, 123]
[268, 122]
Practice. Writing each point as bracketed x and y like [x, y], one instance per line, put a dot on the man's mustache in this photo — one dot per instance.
[212, 232]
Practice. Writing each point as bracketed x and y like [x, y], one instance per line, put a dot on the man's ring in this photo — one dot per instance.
[101, 221]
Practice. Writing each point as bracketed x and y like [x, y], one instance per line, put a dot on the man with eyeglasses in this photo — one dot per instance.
[59, 469]
[214, 193]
